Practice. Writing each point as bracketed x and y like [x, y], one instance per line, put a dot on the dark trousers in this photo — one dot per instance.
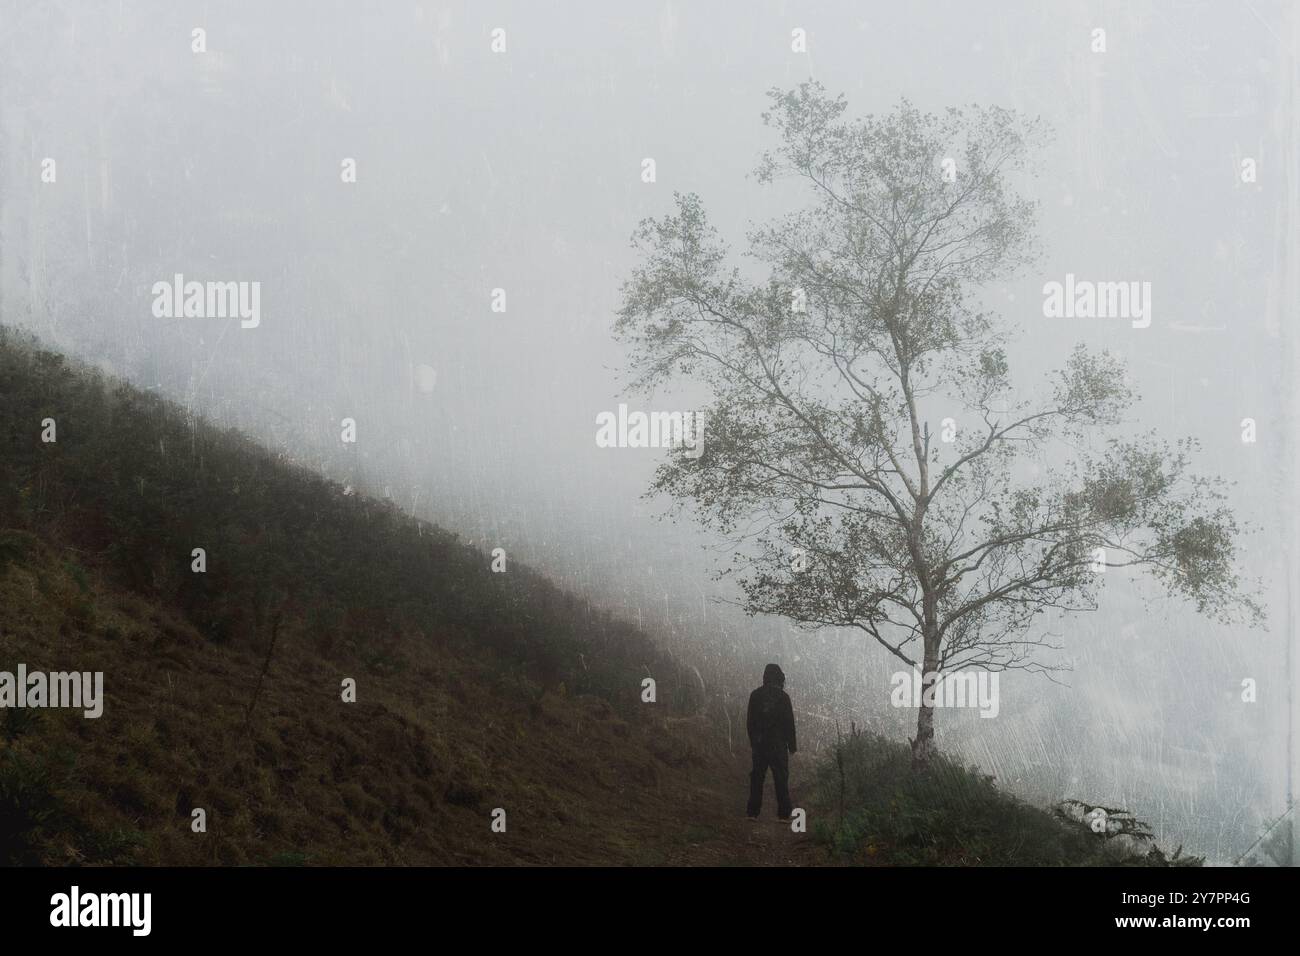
[776, 757]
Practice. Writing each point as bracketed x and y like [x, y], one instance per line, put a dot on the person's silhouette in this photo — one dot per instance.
[770, 721]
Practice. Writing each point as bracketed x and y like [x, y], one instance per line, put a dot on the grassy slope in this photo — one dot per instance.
[475, 690]
[408, 774]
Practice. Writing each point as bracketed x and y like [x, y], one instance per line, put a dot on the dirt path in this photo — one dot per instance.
[717, 832]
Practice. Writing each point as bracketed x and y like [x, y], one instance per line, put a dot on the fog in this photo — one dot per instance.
[521, 170]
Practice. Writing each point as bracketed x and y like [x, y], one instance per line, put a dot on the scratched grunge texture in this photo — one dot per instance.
[409, 227]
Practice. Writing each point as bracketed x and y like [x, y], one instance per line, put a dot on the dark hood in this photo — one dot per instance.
[773, 675]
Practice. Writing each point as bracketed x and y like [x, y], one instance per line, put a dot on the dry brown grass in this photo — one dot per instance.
[407, 775]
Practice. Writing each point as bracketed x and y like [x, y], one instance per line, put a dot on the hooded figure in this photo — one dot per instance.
[770, 721]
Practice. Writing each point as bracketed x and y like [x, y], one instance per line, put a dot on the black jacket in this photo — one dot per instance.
[770, 718]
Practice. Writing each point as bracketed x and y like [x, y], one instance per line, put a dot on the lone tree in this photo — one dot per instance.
[819, 462]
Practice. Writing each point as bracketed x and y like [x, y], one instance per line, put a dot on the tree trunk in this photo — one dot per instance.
[923, 742]
[923, 748]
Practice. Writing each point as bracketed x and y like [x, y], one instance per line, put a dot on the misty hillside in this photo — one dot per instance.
[474, 690]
